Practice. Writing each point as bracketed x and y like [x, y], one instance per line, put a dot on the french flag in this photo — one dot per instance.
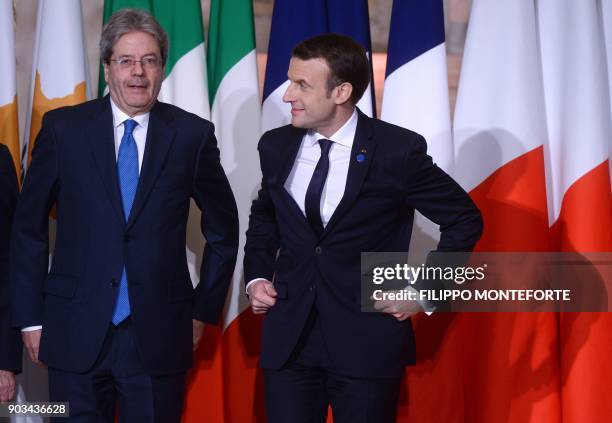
[416, 82]
[295, 21]
[415, 95]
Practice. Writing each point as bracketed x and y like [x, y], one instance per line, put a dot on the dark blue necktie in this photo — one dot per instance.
[127, 171]
[312, 203]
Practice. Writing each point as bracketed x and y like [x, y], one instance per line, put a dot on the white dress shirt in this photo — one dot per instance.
[304, 165]
[139, 133]
[140, 136]
[339, 159]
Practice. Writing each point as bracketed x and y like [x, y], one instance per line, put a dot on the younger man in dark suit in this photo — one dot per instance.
[337, 183]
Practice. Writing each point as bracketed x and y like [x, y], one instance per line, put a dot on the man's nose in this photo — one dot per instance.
[137, 68]
[289, 94]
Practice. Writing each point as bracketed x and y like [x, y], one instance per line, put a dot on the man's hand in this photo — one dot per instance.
[198, 331]
[400, 309]
[31, 340]
[7, 385]
[262, 296]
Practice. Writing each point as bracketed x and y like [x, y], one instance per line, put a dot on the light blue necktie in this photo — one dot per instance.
[127, 171]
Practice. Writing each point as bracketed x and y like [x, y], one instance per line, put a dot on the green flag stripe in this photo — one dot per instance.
[111, 6]
[182, 20]
[231, 36]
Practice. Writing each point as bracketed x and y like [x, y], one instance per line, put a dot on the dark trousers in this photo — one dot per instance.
[118, 379]
[301, 391]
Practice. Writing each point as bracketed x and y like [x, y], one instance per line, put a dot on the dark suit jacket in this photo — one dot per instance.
[74, 166]
[375, 214]
[10, 338]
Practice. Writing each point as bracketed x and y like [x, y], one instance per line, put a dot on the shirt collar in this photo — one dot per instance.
[119, 116]
[344, 136]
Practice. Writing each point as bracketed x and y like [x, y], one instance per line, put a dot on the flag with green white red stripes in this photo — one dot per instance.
[236, 113]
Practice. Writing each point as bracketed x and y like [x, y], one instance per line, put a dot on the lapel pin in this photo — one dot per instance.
[361, 156]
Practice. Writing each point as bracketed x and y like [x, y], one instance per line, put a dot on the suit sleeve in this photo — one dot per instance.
[10, 338]
[29, 260]
[438, 197]
[213, 195]
[262, 237]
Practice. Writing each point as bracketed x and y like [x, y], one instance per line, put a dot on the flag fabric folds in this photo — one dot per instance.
[416, 97]
[499, 138]
[60, 74]
[416, 93]
[572, 45]
[226, 365]
[185, 84]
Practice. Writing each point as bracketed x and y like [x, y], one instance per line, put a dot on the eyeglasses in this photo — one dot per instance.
[146, 62]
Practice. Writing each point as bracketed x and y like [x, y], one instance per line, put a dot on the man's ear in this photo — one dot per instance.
[343, 93]
[105, 65]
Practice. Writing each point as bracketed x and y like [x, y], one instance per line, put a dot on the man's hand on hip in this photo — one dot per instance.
[7, 385]
[198, 332]
[400, 309]
[31, 340]
[262, 296]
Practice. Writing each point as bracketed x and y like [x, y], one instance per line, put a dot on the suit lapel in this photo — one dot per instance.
[361, 157]
[289, 153]
[102, 143]
[287, 160]
[160, 135]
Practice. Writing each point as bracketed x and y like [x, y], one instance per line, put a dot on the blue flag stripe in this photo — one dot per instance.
[294, 21]
[350, 17]
[416, 27]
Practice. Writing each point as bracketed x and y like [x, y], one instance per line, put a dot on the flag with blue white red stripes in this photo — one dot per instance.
[416, 83]
[294, 21]
[415, 94]
[416, 97]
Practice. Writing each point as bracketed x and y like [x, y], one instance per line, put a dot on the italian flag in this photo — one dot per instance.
[225, 372]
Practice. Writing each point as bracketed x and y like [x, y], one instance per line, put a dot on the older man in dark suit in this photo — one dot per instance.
[116, 317]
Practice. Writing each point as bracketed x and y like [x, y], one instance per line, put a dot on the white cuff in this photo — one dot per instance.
[428, 309]
[251, 282]
[31, 328]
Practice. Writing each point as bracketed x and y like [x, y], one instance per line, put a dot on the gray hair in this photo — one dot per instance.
[131, 20]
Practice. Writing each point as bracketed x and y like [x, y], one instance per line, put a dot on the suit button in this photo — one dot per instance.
[311, 288]
[318, 250]
[114, 283]
[126, 238]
